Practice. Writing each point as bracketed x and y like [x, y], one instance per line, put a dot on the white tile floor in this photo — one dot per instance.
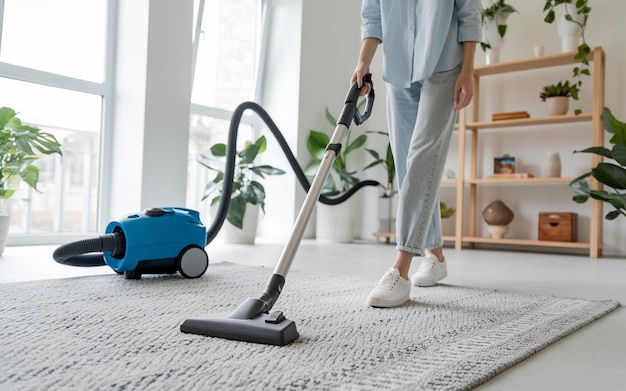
[593, 358]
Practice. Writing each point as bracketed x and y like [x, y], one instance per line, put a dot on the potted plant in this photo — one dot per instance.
[493, 20]
[609, 174]
[247, 190]
[20, 145]
[334, 223]
[571, 18]
[340, 178]
[557, 97]
[388, 202]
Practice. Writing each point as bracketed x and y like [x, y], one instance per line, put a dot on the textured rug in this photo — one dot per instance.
[108, 333]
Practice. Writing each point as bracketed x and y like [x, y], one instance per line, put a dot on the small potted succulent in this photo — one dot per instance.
[557, 97]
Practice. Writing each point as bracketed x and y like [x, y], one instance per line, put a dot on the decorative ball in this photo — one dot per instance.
[497, 213]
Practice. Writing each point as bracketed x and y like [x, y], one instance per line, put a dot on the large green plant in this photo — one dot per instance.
[583, 10]
[246, 190]
[340, 179]
[19, 148]
[609, 174]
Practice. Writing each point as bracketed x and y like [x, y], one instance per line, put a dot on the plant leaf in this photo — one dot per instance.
[611, 175]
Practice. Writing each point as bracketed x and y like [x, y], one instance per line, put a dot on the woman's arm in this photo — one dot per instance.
[368, 49]
[464, 89]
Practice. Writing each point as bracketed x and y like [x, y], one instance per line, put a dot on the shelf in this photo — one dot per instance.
[508, 123]
[521, 181]
[526, 242]
[469, 159]
[449, 182]
[529, 63]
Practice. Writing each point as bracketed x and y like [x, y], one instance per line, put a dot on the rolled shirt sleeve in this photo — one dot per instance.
[468, 12]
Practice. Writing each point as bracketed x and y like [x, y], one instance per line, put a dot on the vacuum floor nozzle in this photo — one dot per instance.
[264, 328]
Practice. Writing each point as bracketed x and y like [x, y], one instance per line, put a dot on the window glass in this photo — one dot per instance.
[68, 185]
[227, 53]
[66, 37]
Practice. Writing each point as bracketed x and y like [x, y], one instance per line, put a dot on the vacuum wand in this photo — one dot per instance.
[252, 320]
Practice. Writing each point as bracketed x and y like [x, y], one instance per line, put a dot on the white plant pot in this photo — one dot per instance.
[247, 235]
[492, 36]
[497, 231]
[569, 32]
[387, 210]
[557, 105]
[335, 223]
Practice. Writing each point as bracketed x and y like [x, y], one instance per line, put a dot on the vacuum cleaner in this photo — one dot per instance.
[167, 240]
[253, 320]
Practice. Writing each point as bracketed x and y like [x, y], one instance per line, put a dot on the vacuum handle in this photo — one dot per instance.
[350, 111]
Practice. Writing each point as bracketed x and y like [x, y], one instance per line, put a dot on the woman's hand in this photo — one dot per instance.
[463, 90]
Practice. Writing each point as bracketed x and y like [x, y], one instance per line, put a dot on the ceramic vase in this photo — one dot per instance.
[498, 216]
[569, 32]
[552, 168]
[5, 222]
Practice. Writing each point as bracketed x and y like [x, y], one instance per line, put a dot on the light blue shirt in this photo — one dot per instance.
[420, 37]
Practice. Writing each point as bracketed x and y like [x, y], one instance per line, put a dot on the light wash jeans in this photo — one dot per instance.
[421, 121]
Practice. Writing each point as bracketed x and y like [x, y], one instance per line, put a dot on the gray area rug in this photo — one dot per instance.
[108, 333]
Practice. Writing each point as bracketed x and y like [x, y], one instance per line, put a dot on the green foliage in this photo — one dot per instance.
[558, 89]
[246, 190]
[340, 178]
[494, 12]
[446, 211]
[609, 174]
[583, 50]
[19, 148]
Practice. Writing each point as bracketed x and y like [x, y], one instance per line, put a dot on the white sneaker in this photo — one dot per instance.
[391, 291]
[430, 271]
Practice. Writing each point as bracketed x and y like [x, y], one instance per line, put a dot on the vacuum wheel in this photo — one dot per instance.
[193, 262]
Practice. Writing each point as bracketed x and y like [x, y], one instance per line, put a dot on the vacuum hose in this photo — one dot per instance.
[230, 166]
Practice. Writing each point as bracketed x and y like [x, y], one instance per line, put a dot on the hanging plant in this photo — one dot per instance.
[497, 12]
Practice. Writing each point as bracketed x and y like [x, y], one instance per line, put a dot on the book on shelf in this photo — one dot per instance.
[515, 175]
[510, 115]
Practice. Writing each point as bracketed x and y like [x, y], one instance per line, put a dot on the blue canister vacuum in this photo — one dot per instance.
[172, 239]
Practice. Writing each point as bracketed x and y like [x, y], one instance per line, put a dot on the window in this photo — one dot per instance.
[227, 44]
[52, 71]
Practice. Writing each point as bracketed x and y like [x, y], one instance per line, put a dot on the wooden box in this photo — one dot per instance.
[558, 227]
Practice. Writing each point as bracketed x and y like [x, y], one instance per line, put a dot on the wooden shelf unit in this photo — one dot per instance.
[474, 127]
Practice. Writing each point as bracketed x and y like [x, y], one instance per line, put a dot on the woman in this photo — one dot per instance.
[428, 62]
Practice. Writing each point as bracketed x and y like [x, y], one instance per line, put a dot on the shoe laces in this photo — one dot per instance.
[389, 280]
[427, 264]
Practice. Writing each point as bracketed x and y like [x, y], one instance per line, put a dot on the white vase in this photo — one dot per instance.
[552, 168]
[247, 234]
[557, 105]
[335, 223]
[569, 31]
[493, 38]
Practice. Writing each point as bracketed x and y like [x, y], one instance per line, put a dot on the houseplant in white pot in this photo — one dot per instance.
[494, 28]
[557, 97]
[334, 223]
[20, 146]
[248, 194]
[388, 201]
[571, 18]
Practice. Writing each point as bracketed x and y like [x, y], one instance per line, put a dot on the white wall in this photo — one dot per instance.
[326, 58]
